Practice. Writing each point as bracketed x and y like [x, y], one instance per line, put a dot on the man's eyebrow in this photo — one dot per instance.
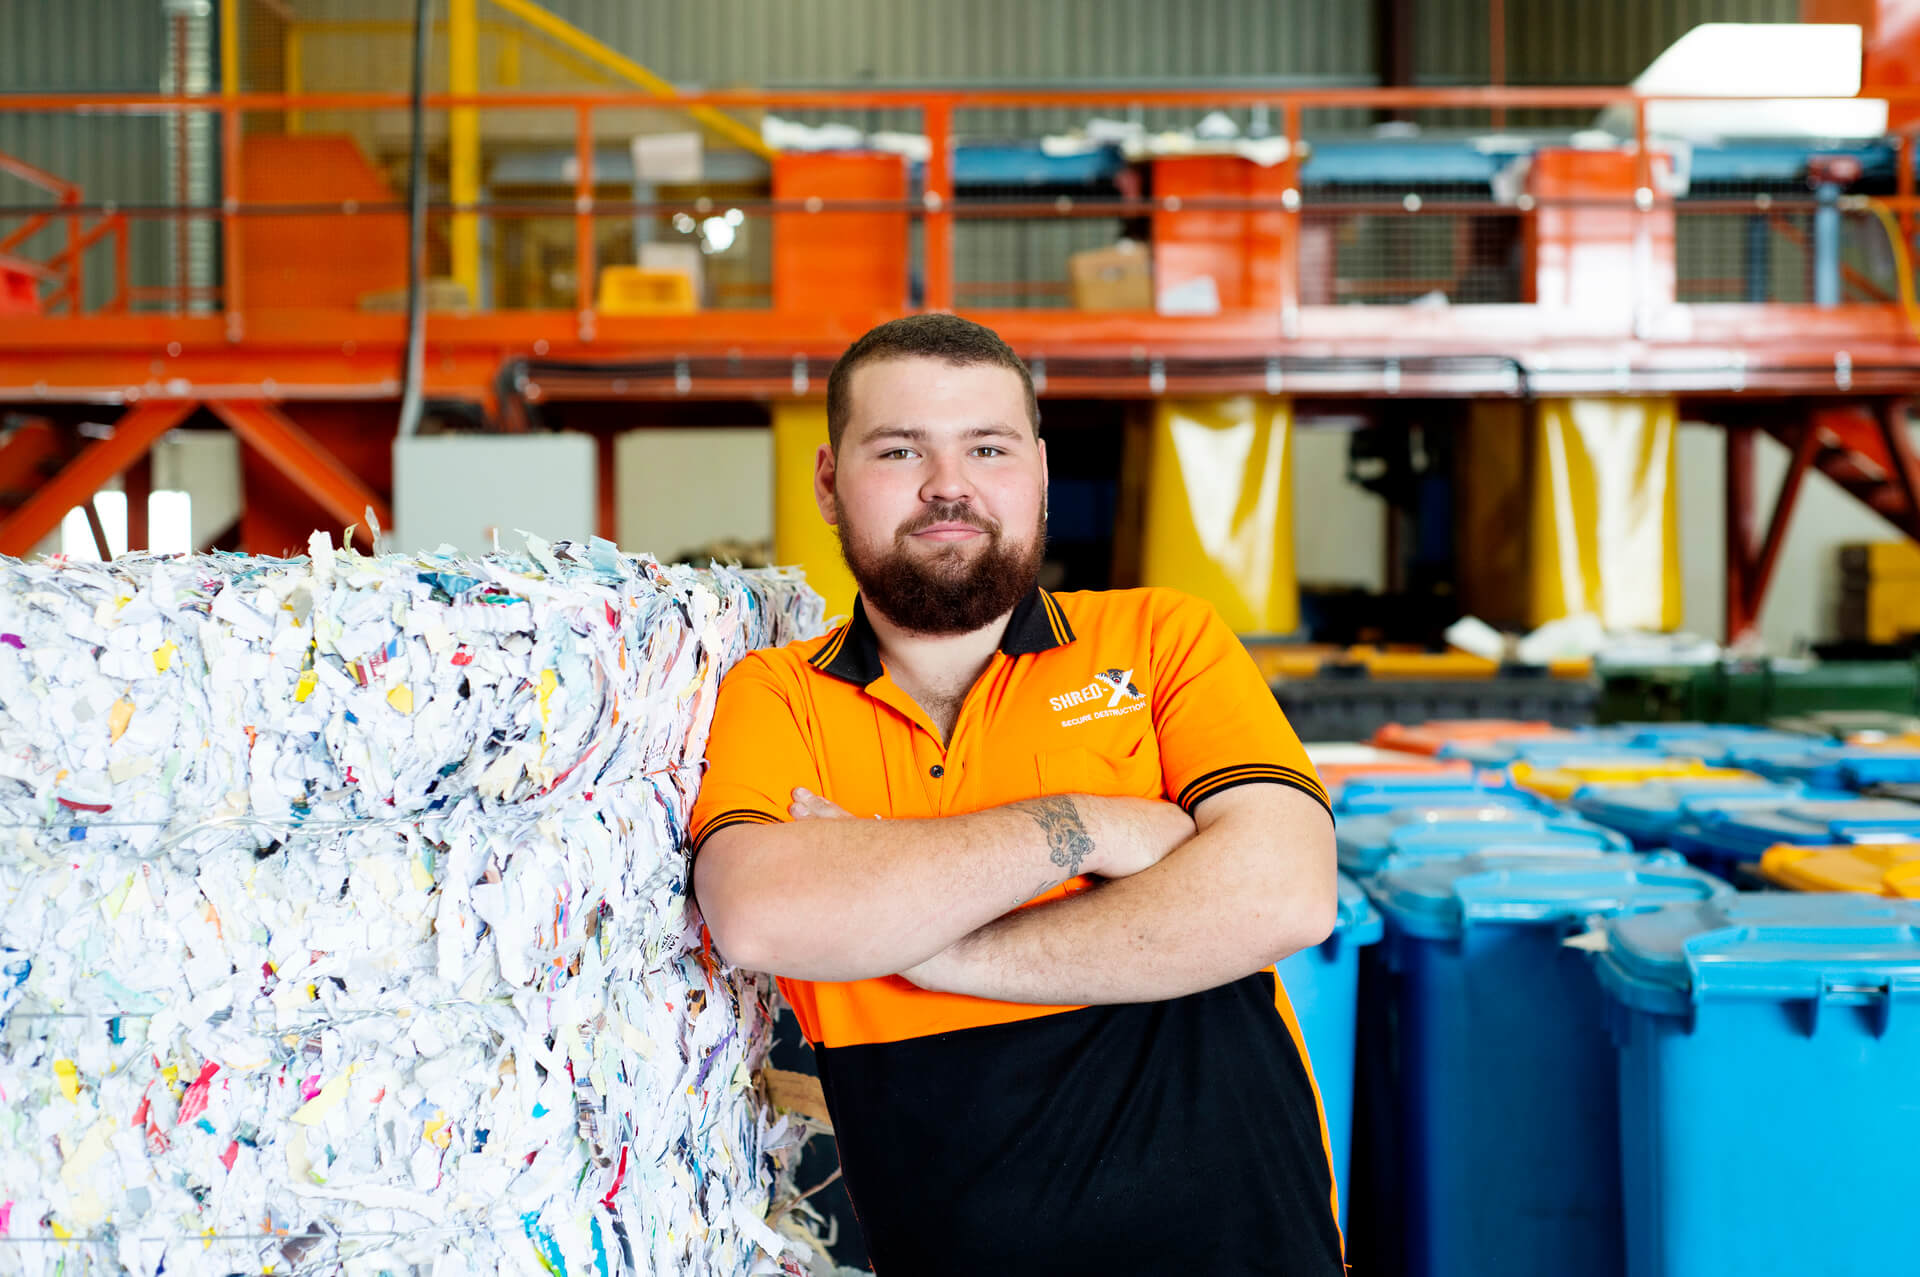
[995, 431]
[915, 434]
[912, 434]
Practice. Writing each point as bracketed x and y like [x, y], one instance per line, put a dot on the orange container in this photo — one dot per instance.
[1432, 737]
[1335, 774]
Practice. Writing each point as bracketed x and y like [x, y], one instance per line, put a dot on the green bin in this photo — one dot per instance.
[1754, 691]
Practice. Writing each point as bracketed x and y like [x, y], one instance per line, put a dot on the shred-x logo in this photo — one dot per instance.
[1114, 686]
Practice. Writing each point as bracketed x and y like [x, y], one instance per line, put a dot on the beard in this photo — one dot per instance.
[955, 589]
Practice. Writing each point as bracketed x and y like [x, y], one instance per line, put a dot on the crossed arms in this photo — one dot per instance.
[1181, 904]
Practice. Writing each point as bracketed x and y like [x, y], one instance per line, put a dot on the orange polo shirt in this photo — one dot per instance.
[1005, 1137]
[1142, 693]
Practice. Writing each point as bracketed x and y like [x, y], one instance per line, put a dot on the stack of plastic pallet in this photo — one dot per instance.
[344, 920]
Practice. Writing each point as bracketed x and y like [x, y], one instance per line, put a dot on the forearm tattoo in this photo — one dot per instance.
[1068, 843]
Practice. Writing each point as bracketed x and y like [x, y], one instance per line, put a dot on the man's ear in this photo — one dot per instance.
[824, 475]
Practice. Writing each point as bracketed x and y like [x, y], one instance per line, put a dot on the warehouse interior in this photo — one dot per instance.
[1527, 383]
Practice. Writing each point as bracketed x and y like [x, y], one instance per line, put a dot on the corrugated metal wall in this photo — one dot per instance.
[904, 43]
[788, 43]
[98, 46]
[1570, 42]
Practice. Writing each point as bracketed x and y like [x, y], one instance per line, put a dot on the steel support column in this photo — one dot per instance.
[1750, 567]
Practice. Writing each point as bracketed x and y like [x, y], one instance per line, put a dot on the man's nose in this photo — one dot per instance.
[946, 480]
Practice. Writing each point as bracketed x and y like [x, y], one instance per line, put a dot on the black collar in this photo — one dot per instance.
[852, 652]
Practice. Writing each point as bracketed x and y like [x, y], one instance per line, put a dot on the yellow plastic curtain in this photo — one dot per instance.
[800, 535]
[1218, 517]
[1605, 513]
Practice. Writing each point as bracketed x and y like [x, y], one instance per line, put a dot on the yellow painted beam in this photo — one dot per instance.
[506, 67]
[1219, 508]
[800, 535]
[463, 142]
[580, 42]
[229, 48]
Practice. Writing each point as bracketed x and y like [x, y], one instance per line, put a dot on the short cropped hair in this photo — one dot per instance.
[956, 341]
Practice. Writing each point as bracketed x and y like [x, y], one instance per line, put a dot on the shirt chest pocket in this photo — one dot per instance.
[1127, 770]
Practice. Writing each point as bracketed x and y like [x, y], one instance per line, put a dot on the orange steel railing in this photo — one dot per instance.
[66, 268]
[935, 208]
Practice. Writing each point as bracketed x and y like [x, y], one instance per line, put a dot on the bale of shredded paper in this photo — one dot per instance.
[344, 921]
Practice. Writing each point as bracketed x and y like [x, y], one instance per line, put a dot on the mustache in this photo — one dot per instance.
[949, 512]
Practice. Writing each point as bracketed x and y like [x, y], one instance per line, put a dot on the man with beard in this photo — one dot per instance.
[1040, 993]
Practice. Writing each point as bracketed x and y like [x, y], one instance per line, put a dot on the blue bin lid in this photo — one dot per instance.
[1449, 839]
[1657, 799]
[1471, 835]
[1363, 837]
[1357, 921]
[1788, 946]
[1390, 780]
[1553, 749]
[1729, 733]
[1388, 786]
[1812, 822]
[1727, 751]
[1440, 899]
[1837, 766]
[1864, 765]
[1376, 801]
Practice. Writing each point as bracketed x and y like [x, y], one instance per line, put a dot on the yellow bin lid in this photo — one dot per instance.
[1562, 782]
[1878, 869]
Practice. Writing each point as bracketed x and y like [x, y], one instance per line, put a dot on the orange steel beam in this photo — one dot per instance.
[299, 456]
[13, 166]
[583, 263]
[122, 267]
[937, 119]
[1795, 236]
[92, 235]
[133, 436]
[26, 454]
[137, 483]
[229, 232]
[1290, 125]
[25, 231]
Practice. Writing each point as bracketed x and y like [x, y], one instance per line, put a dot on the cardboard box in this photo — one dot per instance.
[1881, 560]
[1115, 278]
[439, 296]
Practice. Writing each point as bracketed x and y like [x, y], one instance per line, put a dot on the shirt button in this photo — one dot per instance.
[936, 771]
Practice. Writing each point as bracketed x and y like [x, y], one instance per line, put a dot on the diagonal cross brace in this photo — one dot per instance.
[301, 458]
[134, 435]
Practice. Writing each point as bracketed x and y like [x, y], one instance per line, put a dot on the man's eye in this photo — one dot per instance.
[989, 450]
[896, 452]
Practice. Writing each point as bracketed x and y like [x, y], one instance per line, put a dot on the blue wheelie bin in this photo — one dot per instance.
[1323, 985]
[1768, 1049]
[1506, 1110]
